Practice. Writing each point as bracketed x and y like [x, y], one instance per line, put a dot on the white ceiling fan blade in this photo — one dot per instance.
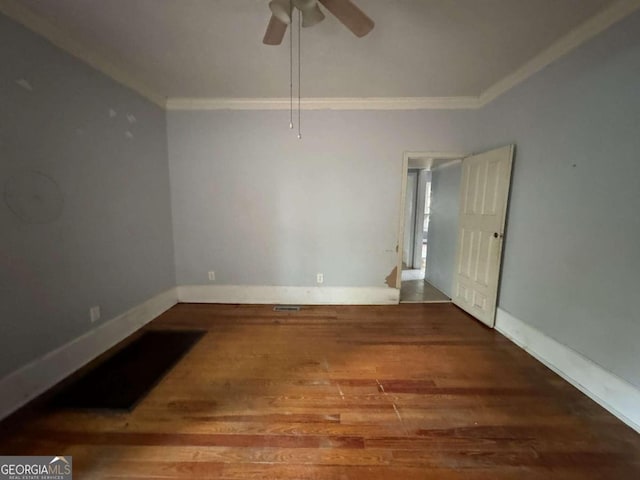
[275, 32]
[350, 15]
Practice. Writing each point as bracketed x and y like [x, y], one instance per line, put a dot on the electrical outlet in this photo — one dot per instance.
[212, 276]
[94, 314]
[320, 278]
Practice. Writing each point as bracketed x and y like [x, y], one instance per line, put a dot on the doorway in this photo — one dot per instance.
[467, 209]
[414, 232]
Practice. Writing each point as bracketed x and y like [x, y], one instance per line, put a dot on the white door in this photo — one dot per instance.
[483, 205]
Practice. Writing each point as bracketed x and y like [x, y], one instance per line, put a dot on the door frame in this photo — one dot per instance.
[418, 225]
[427, 157]
[409, 227]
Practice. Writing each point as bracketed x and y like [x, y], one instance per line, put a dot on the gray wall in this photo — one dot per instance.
[443, 227]
[110, 244]
[259, 207]
[572, 251]
[571, 258]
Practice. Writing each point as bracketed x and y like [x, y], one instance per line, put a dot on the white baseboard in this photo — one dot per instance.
[253, 294]
[25, 384]
[617, 396]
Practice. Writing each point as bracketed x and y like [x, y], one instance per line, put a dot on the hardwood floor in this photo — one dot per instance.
[420, 291]
[401, 392]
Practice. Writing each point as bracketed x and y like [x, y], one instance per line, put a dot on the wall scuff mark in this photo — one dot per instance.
[25, 84]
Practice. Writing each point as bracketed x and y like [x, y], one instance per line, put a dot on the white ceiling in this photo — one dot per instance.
[419, 48]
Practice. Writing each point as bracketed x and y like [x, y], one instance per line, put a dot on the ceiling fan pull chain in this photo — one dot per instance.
[299, 75]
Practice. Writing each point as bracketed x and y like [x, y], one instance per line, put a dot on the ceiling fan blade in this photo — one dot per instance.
[350, 15]
[275, 32]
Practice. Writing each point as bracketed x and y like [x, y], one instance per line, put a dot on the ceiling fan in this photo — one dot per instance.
[344, 10]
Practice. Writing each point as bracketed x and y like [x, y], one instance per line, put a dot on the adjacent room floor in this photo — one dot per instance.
[421, 291]
[415, 289]
[399, 392]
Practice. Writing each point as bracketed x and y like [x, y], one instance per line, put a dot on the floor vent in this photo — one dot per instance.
[286, 308]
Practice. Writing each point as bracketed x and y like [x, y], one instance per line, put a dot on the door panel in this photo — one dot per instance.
[483, 204]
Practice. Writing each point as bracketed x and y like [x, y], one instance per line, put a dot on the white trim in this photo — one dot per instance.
[616, 395]
[424, 302]
[371, 103]
[434, 155]
[70, 43]
[26, 383]
[567, 43]
[259, 294]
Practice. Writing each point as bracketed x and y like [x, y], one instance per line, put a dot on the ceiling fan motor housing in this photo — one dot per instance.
[281, 9]
[344, 10]
[311, 13]
[303, 5]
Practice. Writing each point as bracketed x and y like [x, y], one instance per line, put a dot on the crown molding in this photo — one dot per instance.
[364, 103]
[567, 43]
[80, 49]
[91, 55]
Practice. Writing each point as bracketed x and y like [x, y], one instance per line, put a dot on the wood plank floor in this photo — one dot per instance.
[332, 393]
[420, 291]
